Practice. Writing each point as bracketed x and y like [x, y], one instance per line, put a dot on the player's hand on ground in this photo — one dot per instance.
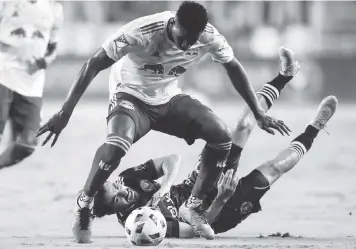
[227, 184]
[54, 126]
[268, 123]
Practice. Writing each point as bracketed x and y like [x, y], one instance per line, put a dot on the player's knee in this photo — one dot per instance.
[272, 169]
[245, 124]
[221, 133]
[114, 148]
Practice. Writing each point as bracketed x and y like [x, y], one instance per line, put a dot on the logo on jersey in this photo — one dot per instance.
[140, 167]
[190, 54]
[104, 166]
[20, 32]
[246, 208]
[153, 68]
[127, 104]
[147, 186]
[121, 41]
[177, 71]
[37, 34]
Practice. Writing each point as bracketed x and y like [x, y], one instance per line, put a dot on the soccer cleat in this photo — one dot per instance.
[83, 219]
[197, 217]
[325, 111]
[289, 67]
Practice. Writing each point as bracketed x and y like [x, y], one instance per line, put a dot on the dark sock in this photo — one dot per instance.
[104, 164]
[311, 131]
[271, 90]
[213, 161]
[233, 158]
[303, 142]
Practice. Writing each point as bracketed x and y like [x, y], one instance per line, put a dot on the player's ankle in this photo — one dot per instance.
[85, 201]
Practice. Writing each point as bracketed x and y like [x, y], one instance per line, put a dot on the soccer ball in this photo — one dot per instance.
[145, 226]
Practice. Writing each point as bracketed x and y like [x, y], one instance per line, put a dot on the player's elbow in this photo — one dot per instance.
[99, 61]
[172, 162]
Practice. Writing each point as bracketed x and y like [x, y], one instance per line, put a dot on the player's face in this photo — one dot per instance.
[182, 38]
[119, 197]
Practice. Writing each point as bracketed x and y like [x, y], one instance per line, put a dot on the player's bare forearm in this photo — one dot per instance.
[98, 62]
[215, 209]
[170, 169]
[239, 80]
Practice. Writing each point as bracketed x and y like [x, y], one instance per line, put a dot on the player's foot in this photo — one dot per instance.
[289, 67]
[325, 111]
[197, 217]
[83, 219]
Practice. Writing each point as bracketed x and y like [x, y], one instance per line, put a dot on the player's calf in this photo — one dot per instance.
[24, 146]
[289, 157]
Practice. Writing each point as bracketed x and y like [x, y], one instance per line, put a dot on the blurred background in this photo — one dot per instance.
[314, 199]
[322, 35]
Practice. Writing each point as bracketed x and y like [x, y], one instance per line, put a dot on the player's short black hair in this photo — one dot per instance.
[192, 16]
[100, 209]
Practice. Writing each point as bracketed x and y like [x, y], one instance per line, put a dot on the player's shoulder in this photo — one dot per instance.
[209, 34]
[147, 26]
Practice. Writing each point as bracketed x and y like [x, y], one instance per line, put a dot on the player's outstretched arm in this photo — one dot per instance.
[239, 79]
[98, 62]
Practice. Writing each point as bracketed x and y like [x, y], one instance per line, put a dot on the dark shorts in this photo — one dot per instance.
[23, 111]
[178, 117]
[245, 201]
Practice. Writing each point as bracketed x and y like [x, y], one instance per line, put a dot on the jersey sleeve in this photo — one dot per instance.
[220, 50]
[146, 171]
[127, 39]
[58, 22]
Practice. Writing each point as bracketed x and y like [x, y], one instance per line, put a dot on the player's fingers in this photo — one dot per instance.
[42, 130]
[54, 140]
[228, 177]
[275, 126]
[284, 128]
[221, 178]
[148, 203]
[268, 130]
[235, 178]
[47, 138]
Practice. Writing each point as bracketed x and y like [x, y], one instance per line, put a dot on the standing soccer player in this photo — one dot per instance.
[28, 42]
[147, 56]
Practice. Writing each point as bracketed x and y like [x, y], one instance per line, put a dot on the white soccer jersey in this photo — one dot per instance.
[26, 29]
[149, 63]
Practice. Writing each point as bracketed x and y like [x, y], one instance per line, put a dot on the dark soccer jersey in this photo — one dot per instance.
[141, 179]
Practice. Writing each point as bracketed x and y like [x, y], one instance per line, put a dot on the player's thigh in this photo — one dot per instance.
[244, 202]
[5, 104]
[25, 113]
[127, 117]
[188, 118]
